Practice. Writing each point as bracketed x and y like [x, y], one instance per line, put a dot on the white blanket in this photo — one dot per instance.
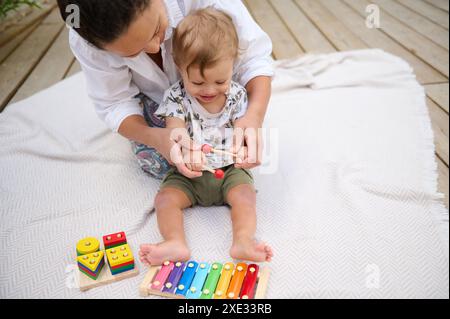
[347, 194]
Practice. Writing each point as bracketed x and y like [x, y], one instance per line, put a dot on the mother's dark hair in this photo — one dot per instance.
[103, 21]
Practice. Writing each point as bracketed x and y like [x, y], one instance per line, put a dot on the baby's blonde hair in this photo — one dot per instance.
[203, 38]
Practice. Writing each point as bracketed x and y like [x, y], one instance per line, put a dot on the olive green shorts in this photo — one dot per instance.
[207, 190]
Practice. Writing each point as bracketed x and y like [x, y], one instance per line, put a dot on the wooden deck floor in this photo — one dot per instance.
[35, 54]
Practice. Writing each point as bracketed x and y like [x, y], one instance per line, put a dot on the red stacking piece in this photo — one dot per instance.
[114, 240]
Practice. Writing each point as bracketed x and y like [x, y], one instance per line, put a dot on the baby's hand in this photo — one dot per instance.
[194, 159]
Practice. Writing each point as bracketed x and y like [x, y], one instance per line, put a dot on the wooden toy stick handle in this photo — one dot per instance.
[209, 169]
[223, 152]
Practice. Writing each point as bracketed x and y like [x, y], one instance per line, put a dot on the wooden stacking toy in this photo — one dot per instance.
[91, 264]
[193, 280]
[91, 260]
[120, 259]
[87, 246]
[114, 240]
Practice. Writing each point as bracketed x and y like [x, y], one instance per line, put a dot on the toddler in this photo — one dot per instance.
[206, 103]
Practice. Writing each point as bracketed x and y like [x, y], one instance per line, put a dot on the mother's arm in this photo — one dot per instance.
[109, 85]
[247, 128]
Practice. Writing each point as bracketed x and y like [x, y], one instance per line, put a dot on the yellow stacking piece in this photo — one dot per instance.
[91, 261]
[87, 246]
[119, 255]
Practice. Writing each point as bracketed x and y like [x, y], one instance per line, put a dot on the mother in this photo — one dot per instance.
[124, 48]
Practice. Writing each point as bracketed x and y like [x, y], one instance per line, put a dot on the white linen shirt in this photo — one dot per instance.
[113, 82]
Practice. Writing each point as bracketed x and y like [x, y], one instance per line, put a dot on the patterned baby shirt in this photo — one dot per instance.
[203, 127]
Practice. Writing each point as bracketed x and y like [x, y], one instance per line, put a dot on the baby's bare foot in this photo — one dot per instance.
[251, 250]
[156, 255]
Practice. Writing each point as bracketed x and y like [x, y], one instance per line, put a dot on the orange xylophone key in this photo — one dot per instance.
[236, 282]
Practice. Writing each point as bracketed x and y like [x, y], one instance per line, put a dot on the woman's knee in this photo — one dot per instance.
[151, 161]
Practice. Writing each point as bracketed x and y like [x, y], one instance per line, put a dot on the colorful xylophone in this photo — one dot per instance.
[193, 280]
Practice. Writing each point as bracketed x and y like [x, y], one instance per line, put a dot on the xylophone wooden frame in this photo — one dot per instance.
[145, 290]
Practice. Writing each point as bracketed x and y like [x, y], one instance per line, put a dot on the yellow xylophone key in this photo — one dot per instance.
[224, 281]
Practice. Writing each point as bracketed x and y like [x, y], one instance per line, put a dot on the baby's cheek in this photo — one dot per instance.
[190, 89]
[223, 89]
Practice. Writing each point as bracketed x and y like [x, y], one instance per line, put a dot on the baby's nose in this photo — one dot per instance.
[209, 91]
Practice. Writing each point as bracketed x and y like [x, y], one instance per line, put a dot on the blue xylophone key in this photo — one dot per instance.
[185, 282]
[174, 277]
[197, 284]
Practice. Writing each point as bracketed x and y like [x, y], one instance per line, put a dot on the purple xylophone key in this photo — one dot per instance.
[171, 284]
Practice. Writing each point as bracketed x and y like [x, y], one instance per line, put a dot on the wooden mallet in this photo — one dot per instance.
[209, 149]
[218, 173]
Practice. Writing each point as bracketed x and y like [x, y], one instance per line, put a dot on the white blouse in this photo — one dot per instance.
[114, 81]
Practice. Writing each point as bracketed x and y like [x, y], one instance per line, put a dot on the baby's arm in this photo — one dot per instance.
[194, 159]
[172, 111]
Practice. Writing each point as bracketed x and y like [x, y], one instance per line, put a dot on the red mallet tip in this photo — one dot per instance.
[206, 149]
[219, 174]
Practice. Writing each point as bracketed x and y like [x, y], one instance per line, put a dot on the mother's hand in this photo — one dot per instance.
[247, 133]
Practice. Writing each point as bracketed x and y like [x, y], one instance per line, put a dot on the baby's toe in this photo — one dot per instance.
[145, 248]
[261, 246]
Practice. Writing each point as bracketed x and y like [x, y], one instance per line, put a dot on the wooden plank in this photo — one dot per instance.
[416, 22]
[313, 41]
[35, 16]
[18, 66]
[10, 46]
[440, 124]
[421, 46]
[439, 94]
[284, 44]
[375, 38]
[441, 4]
[443, 180]
[50, 69]
[263, 283]
[74, 68]
[331, 26]
[427, 10]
